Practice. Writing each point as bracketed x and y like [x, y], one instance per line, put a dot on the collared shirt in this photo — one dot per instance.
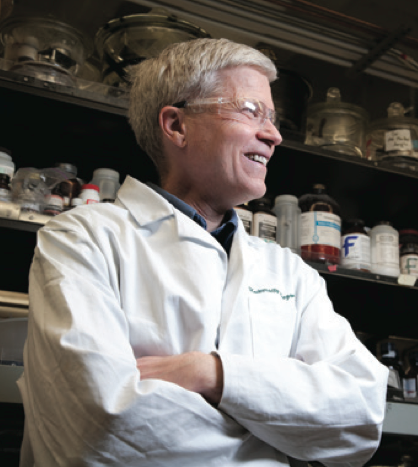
[223, 234]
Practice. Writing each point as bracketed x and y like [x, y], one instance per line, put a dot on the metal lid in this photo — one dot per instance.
[156, 18]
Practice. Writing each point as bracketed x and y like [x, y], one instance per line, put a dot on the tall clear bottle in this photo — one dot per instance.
[320, 235]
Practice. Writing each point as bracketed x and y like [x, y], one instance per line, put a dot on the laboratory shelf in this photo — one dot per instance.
[26, 226]
[336, 270]
[90, 94]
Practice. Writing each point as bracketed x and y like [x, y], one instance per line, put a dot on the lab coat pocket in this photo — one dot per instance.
[273, 321]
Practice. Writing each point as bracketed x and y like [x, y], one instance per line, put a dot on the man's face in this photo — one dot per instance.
[222, 149]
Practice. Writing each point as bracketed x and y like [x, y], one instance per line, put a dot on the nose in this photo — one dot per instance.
[270, 134]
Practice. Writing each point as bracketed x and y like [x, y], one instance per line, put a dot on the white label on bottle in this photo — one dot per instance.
[355, 249]
[409, 387]
[91, 201]
[393, 379]
[387, 250]
[246, 218]
[264, 226]
[323, 228]
[398, 140]
[409, 264]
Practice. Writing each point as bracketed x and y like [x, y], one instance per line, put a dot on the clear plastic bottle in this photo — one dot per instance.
[108, 182]
[385, 249]
[320, 234]
[264, 220]
[355, 246]
[288, 213]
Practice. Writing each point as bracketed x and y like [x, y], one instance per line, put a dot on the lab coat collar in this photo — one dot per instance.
[147, 206]
[144, 204]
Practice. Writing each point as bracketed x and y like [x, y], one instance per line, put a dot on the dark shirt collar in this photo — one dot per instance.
[223, 234]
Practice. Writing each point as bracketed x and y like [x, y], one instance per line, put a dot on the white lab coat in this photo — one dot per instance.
[111, 283]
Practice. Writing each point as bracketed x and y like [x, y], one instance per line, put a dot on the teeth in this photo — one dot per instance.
[257, 158]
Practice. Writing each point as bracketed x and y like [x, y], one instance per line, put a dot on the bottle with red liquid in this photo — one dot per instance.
[320, 234]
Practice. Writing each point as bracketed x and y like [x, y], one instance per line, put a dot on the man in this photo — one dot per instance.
[160, 333]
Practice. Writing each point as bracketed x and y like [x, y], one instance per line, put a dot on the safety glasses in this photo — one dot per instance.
[246, 110]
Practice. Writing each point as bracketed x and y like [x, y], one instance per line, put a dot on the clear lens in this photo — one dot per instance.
[246, 110]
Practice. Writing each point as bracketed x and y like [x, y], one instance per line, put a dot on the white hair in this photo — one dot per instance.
[182, 72]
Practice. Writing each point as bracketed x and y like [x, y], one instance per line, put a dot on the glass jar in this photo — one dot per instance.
[5, 192]
[337, 126]
[246, 216]
[393, 141]
[320, 227]
[408, 251]
[69, 188]
[264, 219]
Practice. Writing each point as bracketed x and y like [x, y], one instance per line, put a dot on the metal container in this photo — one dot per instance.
[393, 141]
[43, 48]
[128, 40]
[337, 126]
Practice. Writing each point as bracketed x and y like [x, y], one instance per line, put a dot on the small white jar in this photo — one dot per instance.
[90, 194]
[385, 249]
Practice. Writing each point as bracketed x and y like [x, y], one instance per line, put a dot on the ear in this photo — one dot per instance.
[171, 120]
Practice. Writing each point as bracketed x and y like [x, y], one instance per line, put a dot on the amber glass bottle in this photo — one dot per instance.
[320, 236]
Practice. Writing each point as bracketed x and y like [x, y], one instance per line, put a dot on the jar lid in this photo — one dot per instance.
[70, 168]
[90, 186]
[260, 202]
[104, 172]
[286, 199]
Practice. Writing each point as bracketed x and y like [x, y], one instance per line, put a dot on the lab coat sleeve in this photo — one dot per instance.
[84, 402]
[325, 401]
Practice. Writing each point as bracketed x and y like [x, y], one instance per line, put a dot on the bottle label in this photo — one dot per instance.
[409, 387]
[386, 251]
[246, 218]
[409, 264]
[91, 201]
[393, 379]
[398, 140]
[355, 249]
[323, 228]
[264, 226]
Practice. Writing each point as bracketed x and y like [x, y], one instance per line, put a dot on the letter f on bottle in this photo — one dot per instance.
[349, 242]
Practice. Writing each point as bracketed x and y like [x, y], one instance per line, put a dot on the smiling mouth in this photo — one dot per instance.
[257, 158]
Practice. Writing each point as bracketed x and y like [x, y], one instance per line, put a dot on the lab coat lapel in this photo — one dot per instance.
[235, 329]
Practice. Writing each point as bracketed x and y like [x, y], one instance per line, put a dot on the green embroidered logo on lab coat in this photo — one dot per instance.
[284, 297]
